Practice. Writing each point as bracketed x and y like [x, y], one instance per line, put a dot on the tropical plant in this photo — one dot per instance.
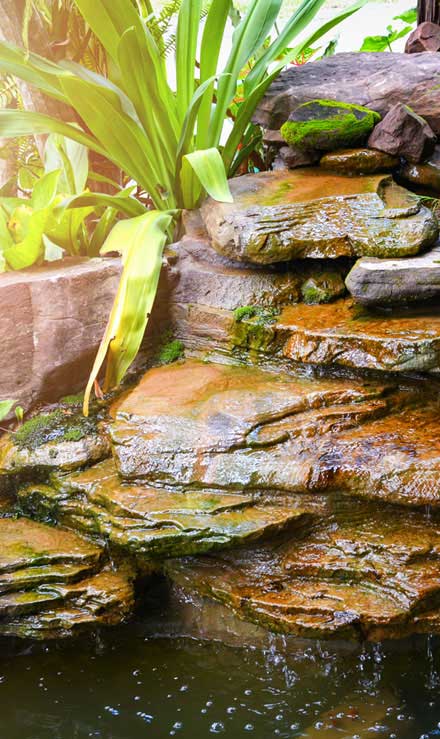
[384, 41]
[172, 142]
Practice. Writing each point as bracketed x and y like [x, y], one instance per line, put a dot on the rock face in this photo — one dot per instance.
[426, 37]
[49, 352]
[359, 161]
[404, 133]
[278, 216]
[361, 573]
[291, 158]
[396, 281]
[374, 80]
[344, 335]
[425, 174]
[152, 522]
[325, 125]
[53, 583]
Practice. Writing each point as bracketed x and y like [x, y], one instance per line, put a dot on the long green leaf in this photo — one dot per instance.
[140, 241]
[32, 68]
[210, 170]
[126, 205]
[326, 27]
[186, 50]
[30, 249]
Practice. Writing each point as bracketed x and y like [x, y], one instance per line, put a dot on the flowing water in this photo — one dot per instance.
[128, 683]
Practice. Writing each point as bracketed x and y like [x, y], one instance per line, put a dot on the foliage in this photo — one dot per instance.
[5, 408]
[383, 43]
[171, 352]
[171, 143]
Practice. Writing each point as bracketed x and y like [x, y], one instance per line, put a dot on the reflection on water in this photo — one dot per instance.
[127, 684]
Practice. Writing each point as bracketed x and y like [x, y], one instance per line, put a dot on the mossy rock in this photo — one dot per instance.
[325, 125]
[322, 288]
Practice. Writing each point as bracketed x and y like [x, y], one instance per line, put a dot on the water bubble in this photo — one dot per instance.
[248, 691]
[249, 727]
[231, 709]
[177, 725]
[217, 727]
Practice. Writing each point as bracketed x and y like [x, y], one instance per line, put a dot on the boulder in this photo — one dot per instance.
[395, 281]
[425, 175]
[289, 157]
[426, 37]
[374, 80]
[150, 522]
[359, 161]
[404, 133]
[325, 125]
[361, 573]
[54, 583]
[50, 350]
[279, 216]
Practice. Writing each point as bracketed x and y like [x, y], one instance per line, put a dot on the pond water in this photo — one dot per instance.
[127, 683]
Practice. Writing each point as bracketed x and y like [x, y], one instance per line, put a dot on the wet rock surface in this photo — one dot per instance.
[278, 216]
[374, 80]
[359, 161]
[54, 583]
[392, 282]
[360, 573]
[424, 174]
[403, 133]
[152, 522]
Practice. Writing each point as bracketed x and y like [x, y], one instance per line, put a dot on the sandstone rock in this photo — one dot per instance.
[425, 174]
[359, 161]
[325, 125]
[278, 216]
[49, 351]
[322, 288]
[404, 133]
[343, 334]
[391, 282]
[59, 439]
[374, 80]
[53, 583]
[426, 37]
[152, 522]
[363, 573]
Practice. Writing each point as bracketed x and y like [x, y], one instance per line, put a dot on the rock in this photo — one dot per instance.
[278, 216]
[425, 174]
[391, 282]
[373, 80]
[323, 288]
[342, 334]
[291, 158]
[363, 573]
[426, 37]
[359, 161]
[152, 522]
[325, 125]
[53, 583]
[59, 439]
[404, 133]
[49, 352]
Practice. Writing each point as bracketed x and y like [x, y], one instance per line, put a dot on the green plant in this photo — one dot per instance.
[171, 352]
[5, 408]
[168, 141]
[383, 43]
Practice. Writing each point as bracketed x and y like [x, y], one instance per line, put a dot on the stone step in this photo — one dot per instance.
[247, 430]
[152, 522]
[284, 215]
[361, 573]
[54, 583]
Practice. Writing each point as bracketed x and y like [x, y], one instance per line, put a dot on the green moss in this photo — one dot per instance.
[260, 314]
[73, 400]
[171, 352]
[54, 426]
[343, 128]
[245, 311]
[253, 327]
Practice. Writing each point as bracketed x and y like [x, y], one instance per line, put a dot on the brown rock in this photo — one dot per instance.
[403, 133]
[290, 158]
[375, 80]
[359, 161]
[425, 175]
[279, 216]
[426, 37]
[53, 319]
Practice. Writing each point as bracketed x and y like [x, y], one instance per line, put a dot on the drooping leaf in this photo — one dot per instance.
[45, 190]
[210, 170]
[140, 242]
[5, 407]
[30, 249]
[52, 252]
[69, 157]
[408, 16]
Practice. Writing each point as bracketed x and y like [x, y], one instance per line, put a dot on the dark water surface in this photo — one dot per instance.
[127, 684]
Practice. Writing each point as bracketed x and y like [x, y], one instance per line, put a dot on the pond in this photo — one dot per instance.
[133, 682]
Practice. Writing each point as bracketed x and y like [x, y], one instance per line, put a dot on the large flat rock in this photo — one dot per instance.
[54, 583]
[53, 319]
[344, 334]
[151, 522]
[395, 281]
[375, 80]
[362, 573]
[279, 216]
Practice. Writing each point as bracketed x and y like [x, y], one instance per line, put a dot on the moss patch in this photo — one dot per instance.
[326, 125]
[58, 425]
[171, 352]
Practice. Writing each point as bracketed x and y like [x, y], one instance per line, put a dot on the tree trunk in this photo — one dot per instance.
[428, 10]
